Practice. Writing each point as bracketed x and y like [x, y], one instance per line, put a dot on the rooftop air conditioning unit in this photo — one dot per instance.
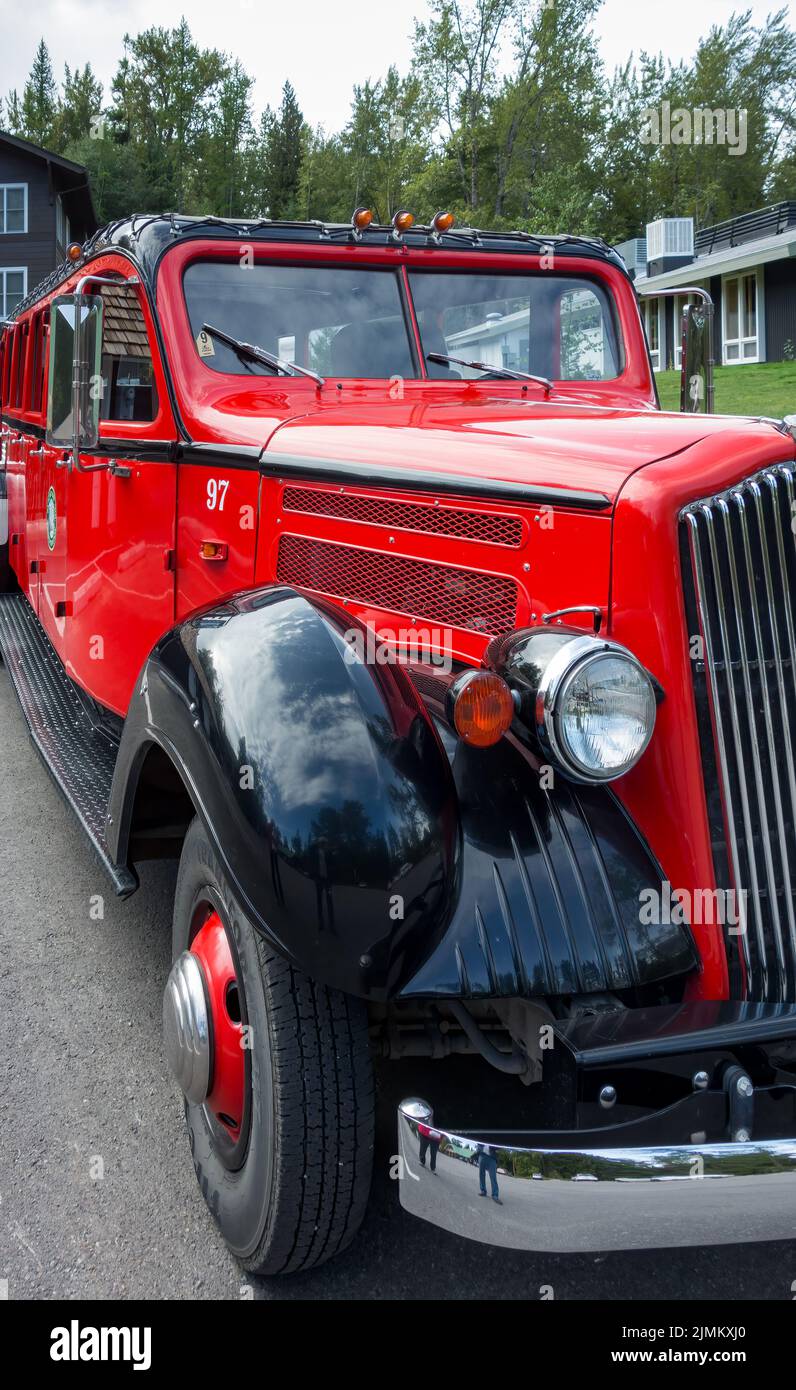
[670, 243]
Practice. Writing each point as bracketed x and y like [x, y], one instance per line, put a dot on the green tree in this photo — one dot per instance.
[547, 117]
[324, 188]
[626, 163]
[456, 54]
[81, 103]
[40, 100]
[13, 121]
[164, 93]
[223, 180]
[384, 145]
[281, 143]
[117, 179]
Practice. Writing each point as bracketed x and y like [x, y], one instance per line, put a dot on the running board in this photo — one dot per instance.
[79, 755]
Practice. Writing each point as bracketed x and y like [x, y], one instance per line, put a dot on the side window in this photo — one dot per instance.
[19, 366]
[128, 383]
[8, 344]
[38, 361]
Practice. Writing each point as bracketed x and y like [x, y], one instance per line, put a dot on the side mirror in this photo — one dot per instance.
[74, 392]
[696, 371]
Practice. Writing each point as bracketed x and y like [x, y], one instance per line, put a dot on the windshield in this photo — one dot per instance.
[342, 322]
[557, 326]
[336, 322]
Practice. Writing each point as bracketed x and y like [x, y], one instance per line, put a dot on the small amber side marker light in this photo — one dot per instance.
[74, 251]
[443, 221]
[402, 221]
[482, 708]
[213, 550]
[362, 218]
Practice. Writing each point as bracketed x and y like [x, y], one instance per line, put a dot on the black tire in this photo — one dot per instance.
[299, 1193]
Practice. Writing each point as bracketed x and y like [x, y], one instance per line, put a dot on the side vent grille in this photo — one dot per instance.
[436, 593]
[492, 527]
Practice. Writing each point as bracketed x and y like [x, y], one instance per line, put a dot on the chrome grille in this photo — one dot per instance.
[739, 570]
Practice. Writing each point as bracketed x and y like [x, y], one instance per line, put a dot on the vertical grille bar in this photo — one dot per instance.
[739, 576]
[714, 662]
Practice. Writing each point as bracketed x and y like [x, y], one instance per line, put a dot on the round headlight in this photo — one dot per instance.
[595, 709]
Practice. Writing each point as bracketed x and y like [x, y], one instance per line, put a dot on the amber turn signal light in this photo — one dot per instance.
[402, 221]
[362, 218]
[214, 550]
[481, 707]
[443, 221]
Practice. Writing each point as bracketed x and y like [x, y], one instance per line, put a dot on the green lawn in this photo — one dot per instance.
[765, 388]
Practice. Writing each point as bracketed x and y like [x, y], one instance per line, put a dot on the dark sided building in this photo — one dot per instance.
[748, 266]
[45, 202]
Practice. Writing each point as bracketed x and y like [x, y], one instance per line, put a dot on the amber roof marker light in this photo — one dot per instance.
[74, 252]
[361, 220]
[441, 223]
[401, 222]
[480, 706]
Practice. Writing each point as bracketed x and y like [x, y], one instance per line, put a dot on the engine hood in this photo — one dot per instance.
[544, 444]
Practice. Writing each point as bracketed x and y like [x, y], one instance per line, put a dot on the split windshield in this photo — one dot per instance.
[342, 322]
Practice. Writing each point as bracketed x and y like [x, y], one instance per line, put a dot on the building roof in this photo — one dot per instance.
[739, 243]
[69, 177]
[736, 258]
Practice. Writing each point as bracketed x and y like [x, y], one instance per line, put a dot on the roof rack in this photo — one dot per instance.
[147, 236]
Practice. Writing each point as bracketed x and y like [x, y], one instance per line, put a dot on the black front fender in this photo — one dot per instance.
[373, 849]
[320, 780]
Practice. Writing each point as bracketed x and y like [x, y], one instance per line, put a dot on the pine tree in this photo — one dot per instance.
[40, 99]
[283, 151]
[81, 103]
[12, 120]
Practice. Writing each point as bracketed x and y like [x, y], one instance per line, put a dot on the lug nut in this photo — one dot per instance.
[700, 1080]
[608, 1097]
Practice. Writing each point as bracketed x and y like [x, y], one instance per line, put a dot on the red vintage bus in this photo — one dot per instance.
[358, 568]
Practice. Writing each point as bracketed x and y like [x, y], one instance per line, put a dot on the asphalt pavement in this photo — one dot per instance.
[97, 1192]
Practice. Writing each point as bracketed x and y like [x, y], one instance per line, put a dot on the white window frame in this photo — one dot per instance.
[758, 337]
[11, 270]
[4, 187]
[647, 313]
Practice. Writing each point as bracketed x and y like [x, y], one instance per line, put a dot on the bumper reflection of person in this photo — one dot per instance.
[487, 1163]
[429, 1140]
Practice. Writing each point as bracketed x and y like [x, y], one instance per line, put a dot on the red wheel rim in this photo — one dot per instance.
[226, 1099]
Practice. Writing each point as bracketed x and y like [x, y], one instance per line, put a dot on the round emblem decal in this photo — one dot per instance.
[52, 518]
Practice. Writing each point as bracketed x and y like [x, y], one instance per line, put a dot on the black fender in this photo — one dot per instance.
[320, 779]
[371, 846]
[552, 880]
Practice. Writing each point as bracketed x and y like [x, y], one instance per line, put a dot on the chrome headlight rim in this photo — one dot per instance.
[569, 661]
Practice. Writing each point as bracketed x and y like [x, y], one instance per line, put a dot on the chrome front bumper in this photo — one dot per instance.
[569, 1200]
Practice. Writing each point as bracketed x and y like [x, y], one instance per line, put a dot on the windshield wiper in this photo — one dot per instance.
[253, 353]
[508, 372]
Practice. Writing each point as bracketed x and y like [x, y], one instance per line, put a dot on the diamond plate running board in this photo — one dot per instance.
[79, 756]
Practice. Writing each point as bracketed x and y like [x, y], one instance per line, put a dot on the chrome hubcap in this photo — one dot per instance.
[186, 1028]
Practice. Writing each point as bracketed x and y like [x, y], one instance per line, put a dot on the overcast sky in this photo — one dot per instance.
[323, 46]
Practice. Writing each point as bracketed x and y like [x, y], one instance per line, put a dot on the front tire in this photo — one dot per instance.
[289, 1186]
